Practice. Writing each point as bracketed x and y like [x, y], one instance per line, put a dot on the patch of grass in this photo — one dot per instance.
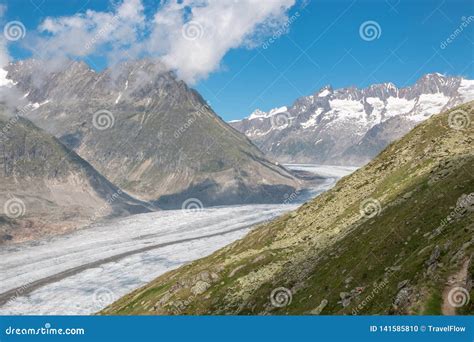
[433, 304]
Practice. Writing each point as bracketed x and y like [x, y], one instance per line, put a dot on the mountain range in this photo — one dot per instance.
[350, 126]
[148, 133]
[394, 237]
[47, 189]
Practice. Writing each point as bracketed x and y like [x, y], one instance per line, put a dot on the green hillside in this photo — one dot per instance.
[395, 237]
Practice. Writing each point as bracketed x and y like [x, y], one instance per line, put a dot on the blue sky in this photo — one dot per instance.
[323, 46]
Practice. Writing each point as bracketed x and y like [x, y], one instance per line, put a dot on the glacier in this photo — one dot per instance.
[83, 272]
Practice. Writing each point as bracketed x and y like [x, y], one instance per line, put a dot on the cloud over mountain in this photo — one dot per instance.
[190, 36]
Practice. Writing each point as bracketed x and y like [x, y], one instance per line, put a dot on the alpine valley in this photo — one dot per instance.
[125, 191]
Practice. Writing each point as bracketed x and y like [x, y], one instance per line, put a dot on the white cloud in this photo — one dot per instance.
[190, 37]
[91, 32]
[196, 47]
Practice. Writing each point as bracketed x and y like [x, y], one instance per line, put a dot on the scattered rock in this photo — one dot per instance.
[163, 300]
[205, 276]
[347, 297]
[403, 298]
[200, 287]
[346, 302]
[176, 286]
[357, 291]
[344, 295]
[457, 257]
[432, 262]
[259, 258]
[466, 202]
[434, 256]
[402, 284]
[320, 307]
[235, 270]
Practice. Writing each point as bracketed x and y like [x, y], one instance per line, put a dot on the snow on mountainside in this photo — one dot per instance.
[350, 126]
[258, 114]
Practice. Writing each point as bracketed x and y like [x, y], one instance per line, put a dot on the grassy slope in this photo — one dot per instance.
[327, 247]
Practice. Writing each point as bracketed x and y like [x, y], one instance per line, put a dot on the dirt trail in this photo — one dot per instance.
[458, 279]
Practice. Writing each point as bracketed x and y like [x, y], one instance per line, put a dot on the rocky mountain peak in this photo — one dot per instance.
[330, 125]
[324, 91]
[149, 133]
[434, 83]
[257, 113]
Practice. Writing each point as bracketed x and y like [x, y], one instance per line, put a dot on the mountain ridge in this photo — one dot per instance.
[47, 189]
[149, 133]
[331, 126]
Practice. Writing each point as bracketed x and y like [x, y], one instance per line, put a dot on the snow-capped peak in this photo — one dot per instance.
[257, 113]
[4, 81]
[336, 120]
[325, 92]
[275, 111]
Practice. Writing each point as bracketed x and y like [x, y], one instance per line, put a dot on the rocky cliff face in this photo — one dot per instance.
[394, 237]
[350, 125]
[149, 133]
[46, 189]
